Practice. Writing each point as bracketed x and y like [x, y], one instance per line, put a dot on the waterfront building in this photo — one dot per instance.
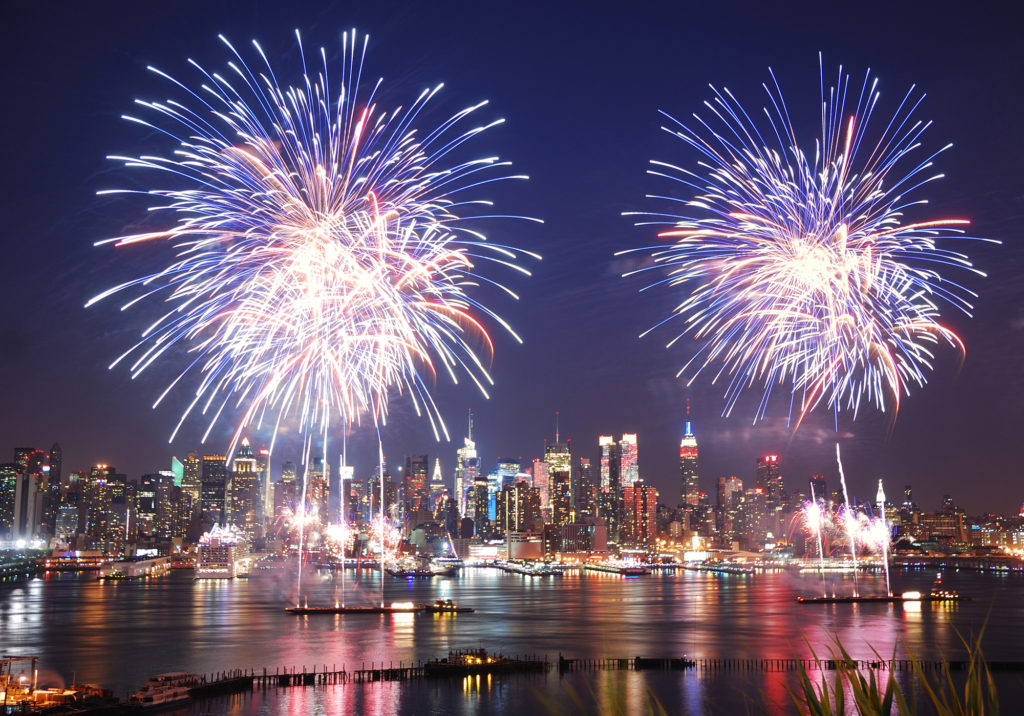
[9, 473]
[640, 514]
[28, 506]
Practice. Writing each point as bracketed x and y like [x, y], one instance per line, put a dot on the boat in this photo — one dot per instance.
[166, 689]
[393, 608]
[410, 573]
[469, 662]
[441, 606]
[216, 556]
[937, 594]
[447, 606]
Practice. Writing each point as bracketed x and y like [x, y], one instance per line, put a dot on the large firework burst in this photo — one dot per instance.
[815, 268]
[326, 247]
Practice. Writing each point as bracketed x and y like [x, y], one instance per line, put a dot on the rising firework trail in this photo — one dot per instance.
[327, 249]
[812, 269]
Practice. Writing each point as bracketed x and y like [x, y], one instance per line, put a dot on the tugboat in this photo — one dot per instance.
[469, 662]
[166, 689]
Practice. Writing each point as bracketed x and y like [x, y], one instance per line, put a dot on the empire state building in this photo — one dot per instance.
[688, 465]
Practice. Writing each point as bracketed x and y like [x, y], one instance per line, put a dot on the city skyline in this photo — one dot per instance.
[580, 321]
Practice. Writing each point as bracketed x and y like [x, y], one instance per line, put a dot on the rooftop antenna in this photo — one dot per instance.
[556, 427]
[470, 436]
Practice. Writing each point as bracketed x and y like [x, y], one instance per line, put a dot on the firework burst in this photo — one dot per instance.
[802, 265]
[326, 248]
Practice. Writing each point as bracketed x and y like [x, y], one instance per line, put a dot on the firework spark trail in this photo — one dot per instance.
[326, 249]
[813, 512]
[802, 269]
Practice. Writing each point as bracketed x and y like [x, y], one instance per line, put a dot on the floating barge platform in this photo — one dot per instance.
[441, 606]
[885, 599]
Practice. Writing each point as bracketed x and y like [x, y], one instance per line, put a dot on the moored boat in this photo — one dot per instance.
[166, 689]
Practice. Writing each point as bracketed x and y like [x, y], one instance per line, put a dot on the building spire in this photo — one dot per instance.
[470, 436]
[556, 427]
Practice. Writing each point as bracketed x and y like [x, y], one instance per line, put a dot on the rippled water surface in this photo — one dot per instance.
[118, 634]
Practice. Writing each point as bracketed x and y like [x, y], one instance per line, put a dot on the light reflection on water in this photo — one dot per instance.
[118, 634]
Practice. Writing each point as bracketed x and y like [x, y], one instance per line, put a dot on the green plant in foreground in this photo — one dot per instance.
[870, 696]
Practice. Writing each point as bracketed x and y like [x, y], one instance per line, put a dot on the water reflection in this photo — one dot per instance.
[118, 634]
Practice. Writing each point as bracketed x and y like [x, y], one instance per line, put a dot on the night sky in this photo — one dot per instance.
[580, 89]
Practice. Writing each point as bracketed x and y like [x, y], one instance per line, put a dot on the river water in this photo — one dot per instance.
[118, 634]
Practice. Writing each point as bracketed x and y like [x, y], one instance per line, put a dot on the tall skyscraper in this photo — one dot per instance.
[559, 459]
[542, 481]
[244, 489]
[503, 475]
[178, 470]
[192, 476]
[584, 491]
[819, 488]
[437, 487]
[414, 485]
[688, 474]
[56, 465]
[213, 489]
[769, 478]
[9, 474]
[726, 508]
[609, 498]
[629, 466]
[467, 470]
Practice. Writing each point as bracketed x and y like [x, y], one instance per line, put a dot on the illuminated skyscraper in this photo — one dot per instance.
[467, 470]
[629, 467]
[640, 514]
[9, 474]
[213, 490]
[437, 487]
[688, 466]
[769, 479]
[542, 481]
[244, 483]
[559, 459]
[191, 477]
[414, 486]
[584, 491]
[178, 470]
[609, 498]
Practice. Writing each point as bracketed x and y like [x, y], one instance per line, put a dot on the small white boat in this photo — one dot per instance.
[166, 689]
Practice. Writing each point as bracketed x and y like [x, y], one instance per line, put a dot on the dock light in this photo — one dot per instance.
[911, 596]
